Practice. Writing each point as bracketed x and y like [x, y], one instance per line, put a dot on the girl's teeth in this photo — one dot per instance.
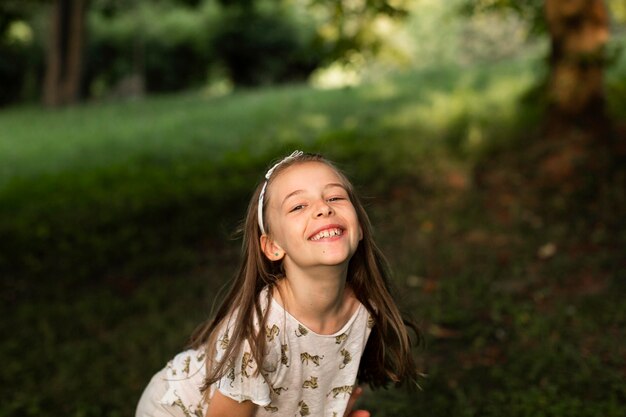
[327, 233]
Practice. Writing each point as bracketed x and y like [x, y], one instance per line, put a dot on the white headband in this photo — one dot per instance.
[269, 173]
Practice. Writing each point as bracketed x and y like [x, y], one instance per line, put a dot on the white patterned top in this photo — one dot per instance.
[309, 374]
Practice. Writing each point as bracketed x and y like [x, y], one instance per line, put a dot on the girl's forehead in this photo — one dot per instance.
[304, 175]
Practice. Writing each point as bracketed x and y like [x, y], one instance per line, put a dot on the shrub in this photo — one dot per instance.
[263, 47]
[169, 46]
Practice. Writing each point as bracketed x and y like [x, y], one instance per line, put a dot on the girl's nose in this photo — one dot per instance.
[323, 210]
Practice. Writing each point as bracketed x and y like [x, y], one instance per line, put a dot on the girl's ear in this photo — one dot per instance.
[271, 249]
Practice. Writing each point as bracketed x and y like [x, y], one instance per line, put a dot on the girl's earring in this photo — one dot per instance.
[276, 254]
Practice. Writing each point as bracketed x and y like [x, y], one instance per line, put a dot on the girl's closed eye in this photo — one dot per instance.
[296, 208]
[336, 198]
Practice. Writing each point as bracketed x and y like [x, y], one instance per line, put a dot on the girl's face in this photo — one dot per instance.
[312, 220]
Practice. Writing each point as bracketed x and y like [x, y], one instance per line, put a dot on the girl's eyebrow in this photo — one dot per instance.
[334, 184]
[327, 186]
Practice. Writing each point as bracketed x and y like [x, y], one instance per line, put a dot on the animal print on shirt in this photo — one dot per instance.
[246, 362]
[270, 334]
[187, 412]
[347, 358]
[283, 355]
[231, 372]
[304, 408]
[345, 390]
[310, 383]
[305, 357]
[285, 386]
[186, 367]
[302, 331]
[224, 341]
[278, 390]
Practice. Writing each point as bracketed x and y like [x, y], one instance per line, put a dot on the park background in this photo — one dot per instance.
[486, 137]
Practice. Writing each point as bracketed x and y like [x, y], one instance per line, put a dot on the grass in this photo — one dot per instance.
[100, 178]
[34, 142]
[114, 230]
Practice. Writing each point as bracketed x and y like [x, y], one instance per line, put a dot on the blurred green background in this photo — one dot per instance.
[487, 139]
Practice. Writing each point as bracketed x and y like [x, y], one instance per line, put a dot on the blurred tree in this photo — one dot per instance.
[579, 31]
[9, 12]
[263, 41]
[264, 47]
[19, 51]
[64, 53]
[147, 46]
[576, 160]
[285, 41]
[64, 75]
[345, 26]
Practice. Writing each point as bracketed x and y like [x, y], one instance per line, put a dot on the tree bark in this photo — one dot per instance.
[579, 31]
[53, 58]
[63, 75]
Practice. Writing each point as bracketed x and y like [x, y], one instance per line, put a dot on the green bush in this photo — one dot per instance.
[169, 46]
[175, 47]
[264, 47]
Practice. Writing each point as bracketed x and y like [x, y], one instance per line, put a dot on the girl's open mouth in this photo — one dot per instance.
[327, 233]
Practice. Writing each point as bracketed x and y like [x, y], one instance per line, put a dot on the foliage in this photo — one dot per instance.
[264, 47]
[530, 10]
[20, 53]
[347, 27]
[168, 46]
[461, 32]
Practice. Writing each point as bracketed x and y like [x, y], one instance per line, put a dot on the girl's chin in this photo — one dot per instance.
[325, 257]
[335, 260]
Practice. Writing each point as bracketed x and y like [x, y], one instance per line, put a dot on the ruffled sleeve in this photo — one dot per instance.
[184, 376]
[242, 382]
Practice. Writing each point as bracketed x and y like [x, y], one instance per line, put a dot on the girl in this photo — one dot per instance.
[308, 312]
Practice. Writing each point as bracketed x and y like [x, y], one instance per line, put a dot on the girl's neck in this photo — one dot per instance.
[321, 300]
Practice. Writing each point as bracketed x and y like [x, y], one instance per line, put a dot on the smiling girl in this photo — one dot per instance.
[308, 313]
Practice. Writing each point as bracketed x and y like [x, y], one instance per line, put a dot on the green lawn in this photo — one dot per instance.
[35, 142]
[115, 223]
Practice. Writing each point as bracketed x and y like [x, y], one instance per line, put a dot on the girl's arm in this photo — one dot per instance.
[356, 393]
[223, 406]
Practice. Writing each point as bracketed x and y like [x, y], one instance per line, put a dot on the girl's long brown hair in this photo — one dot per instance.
[387, 357]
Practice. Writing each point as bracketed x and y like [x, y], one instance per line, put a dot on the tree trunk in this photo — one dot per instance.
[579, 30]
[64, 56]
[53, 58]
[576, 164]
